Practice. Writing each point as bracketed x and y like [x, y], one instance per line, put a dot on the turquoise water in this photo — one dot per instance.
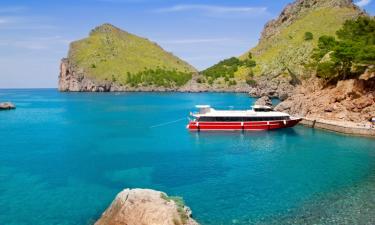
[64, 157]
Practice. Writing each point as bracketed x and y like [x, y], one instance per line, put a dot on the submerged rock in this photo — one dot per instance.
[146, 207]
[7, 106]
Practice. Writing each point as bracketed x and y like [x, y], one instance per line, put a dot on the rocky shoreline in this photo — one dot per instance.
[74, 79]
[346, 107]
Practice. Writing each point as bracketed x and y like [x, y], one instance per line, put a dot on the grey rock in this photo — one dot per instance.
[7, 106]
[274, 88]
[264, 101]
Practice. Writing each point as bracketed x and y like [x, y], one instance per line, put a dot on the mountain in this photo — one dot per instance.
[285, 46]
[278, 61]
[287, 42]
[114, 60]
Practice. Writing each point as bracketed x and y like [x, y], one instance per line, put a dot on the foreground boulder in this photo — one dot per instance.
[7, 106]
[146, 207]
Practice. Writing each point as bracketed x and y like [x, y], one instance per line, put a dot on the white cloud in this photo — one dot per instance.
[7, 20]
[3, 21]
[214, 9]
[24, 23]
[196, 41]
[12, 9]
[36, 43]
[363, 3]
[122, 1]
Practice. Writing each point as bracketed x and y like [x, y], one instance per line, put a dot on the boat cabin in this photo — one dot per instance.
[258, 113]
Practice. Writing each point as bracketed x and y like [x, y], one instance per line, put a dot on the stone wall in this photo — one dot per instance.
[340, 127]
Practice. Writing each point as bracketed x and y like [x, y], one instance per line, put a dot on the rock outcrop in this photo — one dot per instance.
[74, 79]
[145, 207]
[264, 101]
[349, 100]
[275, 88]
[7, 106]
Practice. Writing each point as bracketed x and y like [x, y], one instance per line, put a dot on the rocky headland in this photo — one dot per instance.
[111, 59]
[146, 207]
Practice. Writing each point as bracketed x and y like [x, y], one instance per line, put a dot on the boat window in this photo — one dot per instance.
[206, 119]
[263, 110]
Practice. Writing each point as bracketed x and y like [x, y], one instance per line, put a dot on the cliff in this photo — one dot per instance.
[287, 43]
[349, 102]
[114, 60]
[143, 207]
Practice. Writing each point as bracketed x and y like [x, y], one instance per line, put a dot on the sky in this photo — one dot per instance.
[35, 34]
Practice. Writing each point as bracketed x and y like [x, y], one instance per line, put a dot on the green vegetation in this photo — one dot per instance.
[110, 54]
[289, 49]
[250, 81]
[158, 77]
[229, 68]
[179, 201]
[308, 36]
[354, 48]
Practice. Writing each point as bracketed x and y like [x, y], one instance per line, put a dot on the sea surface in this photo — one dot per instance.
[65, 156]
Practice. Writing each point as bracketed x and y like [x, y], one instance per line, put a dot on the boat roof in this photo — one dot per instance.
[202, 106]
[261, 107]
[239, 113]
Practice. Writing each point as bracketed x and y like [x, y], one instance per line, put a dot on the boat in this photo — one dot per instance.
[255, 119]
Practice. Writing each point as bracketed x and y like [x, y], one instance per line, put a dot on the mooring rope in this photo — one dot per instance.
[167, 123]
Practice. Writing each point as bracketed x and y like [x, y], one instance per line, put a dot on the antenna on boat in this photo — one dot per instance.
[168, 123]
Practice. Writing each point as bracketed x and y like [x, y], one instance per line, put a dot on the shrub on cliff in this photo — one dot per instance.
[308, 36]
[250, 81]
[355, 46]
